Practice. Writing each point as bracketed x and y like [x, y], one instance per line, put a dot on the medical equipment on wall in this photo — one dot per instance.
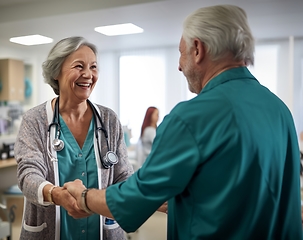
[110, 158]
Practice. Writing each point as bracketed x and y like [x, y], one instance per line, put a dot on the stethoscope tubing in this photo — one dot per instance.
[53, 157]
[109, 159]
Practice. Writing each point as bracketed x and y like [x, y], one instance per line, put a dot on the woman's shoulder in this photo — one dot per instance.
[36, 110]
[35, 117]
[106, 111]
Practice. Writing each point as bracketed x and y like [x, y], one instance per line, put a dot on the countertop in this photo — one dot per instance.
[8, 163]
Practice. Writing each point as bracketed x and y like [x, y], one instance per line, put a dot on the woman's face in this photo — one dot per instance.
[79, 74]
[155, 116]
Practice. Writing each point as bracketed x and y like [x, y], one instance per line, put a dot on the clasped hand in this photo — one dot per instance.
[70, 198]
[76, 188]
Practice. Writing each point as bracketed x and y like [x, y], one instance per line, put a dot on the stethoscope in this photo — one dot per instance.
[110, 158]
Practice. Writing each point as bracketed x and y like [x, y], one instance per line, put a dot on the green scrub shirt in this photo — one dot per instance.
[227, 161]
[75, 163]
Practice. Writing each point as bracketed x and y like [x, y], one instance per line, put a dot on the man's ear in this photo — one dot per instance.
[199, 50]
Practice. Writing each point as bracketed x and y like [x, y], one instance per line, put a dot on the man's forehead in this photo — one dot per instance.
[182, 43]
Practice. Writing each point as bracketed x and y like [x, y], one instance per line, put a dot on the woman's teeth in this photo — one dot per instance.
[83, 84]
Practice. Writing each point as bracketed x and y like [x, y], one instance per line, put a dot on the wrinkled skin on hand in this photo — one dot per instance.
[75, 189]
[63, 198]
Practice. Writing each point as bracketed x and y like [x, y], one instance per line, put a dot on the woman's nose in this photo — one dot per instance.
[87, 73]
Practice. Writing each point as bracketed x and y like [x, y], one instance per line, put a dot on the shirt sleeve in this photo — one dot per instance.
[40, 194]
[166, 173]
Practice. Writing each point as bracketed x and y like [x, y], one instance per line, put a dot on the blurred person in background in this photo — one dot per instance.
[148, 133]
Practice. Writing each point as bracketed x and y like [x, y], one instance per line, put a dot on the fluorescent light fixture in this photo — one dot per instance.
[31, 40]
[119, 29]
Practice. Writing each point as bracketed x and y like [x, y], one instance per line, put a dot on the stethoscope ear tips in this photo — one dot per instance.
[58, 144]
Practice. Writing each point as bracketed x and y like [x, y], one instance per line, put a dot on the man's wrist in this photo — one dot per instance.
[83, 203]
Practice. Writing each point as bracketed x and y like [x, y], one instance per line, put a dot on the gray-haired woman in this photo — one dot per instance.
[66, 138]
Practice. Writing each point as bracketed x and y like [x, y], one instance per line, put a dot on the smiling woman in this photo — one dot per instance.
[78, 75]
[70, 138]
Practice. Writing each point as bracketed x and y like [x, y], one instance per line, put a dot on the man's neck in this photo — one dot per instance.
[216, 68]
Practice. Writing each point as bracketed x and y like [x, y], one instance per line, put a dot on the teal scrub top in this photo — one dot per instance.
[227, 161]
[76, 163]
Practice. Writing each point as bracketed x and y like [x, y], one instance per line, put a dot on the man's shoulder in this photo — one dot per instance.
[195, 106]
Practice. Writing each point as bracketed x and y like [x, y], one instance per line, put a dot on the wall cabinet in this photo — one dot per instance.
[11, 80]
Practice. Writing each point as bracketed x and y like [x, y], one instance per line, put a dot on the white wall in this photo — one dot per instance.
[106, 91]
[298, 84]
[176, 89]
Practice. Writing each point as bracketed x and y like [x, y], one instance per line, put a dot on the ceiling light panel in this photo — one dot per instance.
[31, 40]
[119, 29]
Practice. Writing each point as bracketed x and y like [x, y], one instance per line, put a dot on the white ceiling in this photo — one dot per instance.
[161, 20]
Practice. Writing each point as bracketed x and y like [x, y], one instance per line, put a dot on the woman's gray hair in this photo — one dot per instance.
[223, 29]
[52, 66]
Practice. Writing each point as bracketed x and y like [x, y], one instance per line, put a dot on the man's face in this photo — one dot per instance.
[186, 65]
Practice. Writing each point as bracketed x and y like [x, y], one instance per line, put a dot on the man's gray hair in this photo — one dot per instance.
[52, 66]
[223, 29]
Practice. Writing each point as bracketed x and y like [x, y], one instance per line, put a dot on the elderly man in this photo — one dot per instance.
[226, 161]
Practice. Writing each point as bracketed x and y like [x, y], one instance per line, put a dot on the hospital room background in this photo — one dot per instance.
[132, 80]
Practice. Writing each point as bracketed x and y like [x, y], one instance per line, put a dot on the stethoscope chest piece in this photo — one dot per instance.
[109, 159]
[58, 144]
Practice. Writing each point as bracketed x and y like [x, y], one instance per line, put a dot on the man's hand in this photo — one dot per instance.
[75, 188]
[63, 198]
[70, 204]
[95, 198]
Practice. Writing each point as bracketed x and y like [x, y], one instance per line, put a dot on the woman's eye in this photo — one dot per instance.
[94, 67]
[79, 66]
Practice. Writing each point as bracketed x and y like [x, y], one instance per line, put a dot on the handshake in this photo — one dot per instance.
[81, 202]
[78, 191]
[72, 196]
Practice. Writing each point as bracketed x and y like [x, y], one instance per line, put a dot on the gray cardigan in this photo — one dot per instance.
[35, 167]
